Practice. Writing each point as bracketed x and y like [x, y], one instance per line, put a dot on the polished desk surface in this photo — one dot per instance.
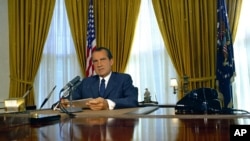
[120, 125]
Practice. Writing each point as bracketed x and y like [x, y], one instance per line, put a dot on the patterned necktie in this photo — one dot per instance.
[102, 88]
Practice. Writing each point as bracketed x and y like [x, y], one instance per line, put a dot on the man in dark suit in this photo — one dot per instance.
[119, 90]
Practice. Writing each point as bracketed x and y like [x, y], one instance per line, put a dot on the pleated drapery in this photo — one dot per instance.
[29, 22]
[115, 22]
[189, 33]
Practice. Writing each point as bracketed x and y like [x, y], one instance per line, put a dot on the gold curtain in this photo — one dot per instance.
[189, 32]
[77, 11]
[29, 23]
[115, 22]
[233, 10]
[115, 26]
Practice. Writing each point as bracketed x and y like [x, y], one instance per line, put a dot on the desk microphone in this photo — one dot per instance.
[46, 99]
[68, 91]
[27, 92]
[71, 83]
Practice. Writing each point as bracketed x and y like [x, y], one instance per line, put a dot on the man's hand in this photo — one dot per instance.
[98, 104]
[66, 103]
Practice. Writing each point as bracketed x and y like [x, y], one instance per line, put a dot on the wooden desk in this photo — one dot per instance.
[120, 125]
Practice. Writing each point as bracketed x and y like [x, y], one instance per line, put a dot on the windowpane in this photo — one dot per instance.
[242, 60]
[149, 64]
[59, 61]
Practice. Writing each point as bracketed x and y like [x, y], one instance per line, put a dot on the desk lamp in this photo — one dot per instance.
[174, 84]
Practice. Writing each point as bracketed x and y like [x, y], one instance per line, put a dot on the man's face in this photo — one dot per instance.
[102, 64]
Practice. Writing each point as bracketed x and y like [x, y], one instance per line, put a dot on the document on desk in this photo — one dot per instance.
[80, 103]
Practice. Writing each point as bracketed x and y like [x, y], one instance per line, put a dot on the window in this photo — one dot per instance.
[242, 60]
[59, 61]
[149, 64]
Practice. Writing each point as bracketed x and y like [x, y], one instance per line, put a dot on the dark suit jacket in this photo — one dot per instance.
[119, 89]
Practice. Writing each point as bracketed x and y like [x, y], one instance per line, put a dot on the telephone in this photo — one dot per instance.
[199, 101]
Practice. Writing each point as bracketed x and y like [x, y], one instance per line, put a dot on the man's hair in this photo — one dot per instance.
[109, 54]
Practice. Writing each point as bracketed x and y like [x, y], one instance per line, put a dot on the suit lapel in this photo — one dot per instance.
[95, 87]
[112, 84]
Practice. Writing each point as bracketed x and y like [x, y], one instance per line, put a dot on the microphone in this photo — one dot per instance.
[46, 99]
[71, 83]
[65, 95]
[27, 92]
[68, 91]
[67, 87]
[68, 94]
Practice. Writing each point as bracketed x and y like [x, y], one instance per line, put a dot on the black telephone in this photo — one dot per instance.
[199, 101]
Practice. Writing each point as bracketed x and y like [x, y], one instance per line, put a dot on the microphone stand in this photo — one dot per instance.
[62, 108]
[72, 109]
[69, 110]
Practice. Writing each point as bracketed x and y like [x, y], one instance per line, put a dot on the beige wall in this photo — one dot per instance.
[4, 50]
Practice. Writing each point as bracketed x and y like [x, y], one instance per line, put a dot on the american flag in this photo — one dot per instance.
[225, 56]
[91, 40]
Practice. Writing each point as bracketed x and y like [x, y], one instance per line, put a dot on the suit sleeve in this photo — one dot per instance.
[129, 94]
